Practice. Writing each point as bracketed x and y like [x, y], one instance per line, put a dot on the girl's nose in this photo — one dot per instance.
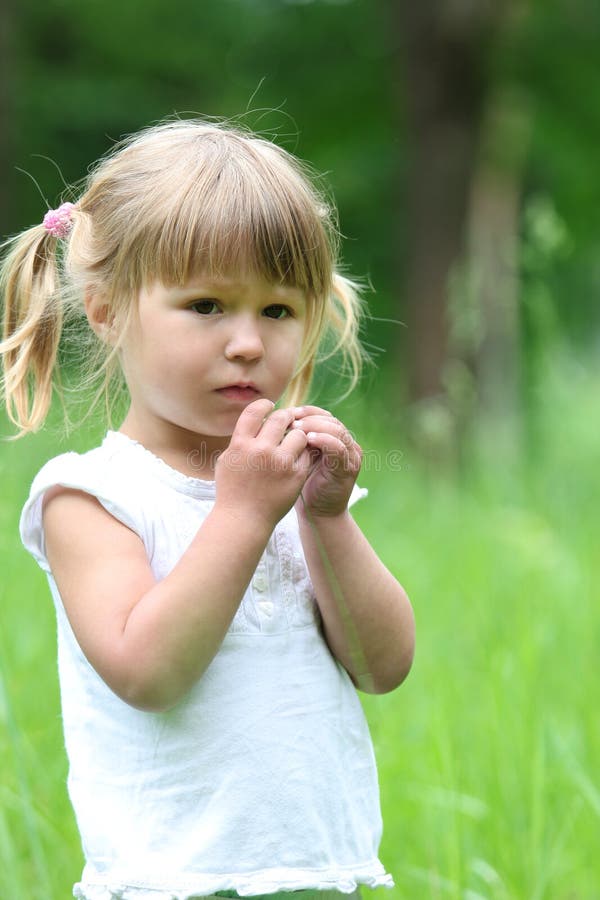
[244, 341]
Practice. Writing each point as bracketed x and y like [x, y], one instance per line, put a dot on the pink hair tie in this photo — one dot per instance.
[58, 222]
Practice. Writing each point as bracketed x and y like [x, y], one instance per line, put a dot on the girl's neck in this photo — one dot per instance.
[192, 454]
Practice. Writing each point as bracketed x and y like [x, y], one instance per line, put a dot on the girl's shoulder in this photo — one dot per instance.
[91, 465]
[107, 473]
[98, 471]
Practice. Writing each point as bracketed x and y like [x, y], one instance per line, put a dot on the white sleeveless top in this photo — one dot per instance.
[262, 778]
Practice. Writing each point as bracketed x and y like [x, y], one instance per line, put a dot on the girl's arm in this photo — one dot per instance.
[367, 617]
[151, 640]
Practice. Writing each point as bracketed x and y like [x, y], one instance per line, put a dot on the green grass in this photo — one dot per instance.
[489, 754]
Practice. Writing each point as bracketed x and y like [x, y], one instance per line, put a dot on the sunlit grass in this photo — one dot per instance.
[489, 754]
[39, 852]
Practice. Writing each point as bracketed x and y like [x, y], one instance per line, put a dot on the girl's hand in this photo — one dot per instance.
[336, 459]
[262, 472]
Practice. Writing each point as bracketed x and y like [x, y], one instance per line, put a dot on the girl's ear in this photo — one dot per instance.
[100, 316]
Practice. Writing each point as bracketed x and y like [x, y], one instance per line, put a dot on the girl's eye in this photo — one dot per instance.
[205, 307]
[277, 311]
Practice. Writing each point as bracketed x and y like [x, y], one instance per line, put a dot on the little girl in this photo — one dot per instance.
[216, 603]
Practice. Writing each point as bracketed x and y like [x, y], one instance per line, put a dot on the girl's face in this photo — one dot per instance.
[195, 356]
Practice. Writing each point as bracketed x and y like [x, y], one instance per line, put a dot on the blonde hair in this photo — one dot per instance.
[175, 200]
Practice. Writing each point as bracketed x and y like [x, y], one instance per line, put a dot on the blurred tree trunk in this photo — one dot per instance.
[492, 269]
[445, 44]
[6, 71]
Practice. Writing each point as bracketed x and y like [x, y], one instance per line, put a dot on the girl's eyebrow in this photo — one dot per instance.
[276, 293]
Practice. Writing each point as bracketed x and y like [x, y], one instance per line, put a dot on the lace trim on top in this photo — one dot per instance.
[255, 885]
[186, 484]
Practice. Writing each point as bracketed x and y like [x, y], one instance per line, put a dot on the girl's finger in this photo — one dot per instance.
[325, 424]
[335, 451]
[305, 461]
[328, 444]
[251, 419]
[294, 442]
[302, 411]
[275, 426]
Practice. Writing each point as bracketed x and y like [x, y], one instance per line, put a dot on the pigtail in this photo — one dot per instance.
[32, 326]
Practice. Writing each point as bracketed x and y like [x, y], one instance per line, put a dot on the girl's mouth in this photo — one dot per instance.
[240, 393]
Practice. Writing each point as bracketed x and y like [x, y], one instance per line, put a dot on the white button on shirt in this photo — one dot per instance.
[259, 582]
[266, 607]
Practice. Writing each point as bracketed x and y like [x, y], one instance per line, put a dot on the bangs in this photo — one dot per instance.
[221, 209]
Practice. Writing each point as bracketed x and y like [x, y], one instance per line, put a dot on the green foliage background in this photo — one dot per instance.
[326, 78]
